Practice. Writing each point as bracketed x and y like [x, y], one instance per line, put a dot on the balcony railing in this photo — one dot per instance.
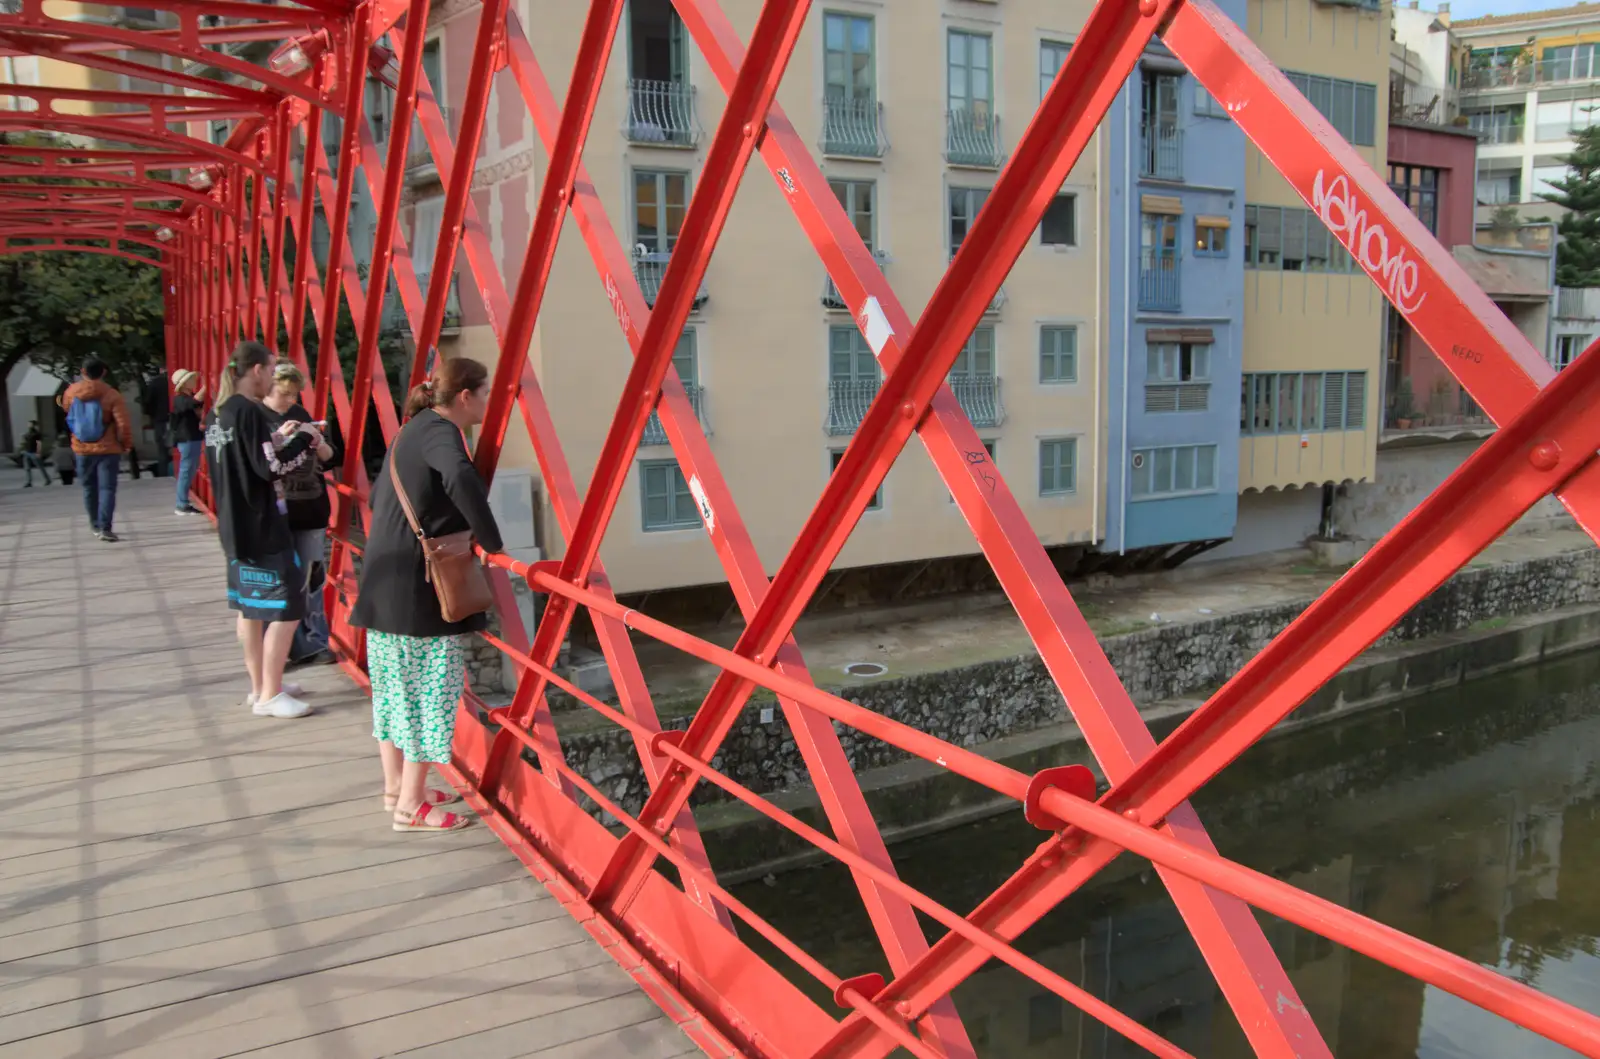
[1575, 303]
[1447, 408]
[418, 157]
[848, 400]
[1500, 132]
[650, 269]
[656, 434]
[1522, 74]
[1488, 77]
[1158, 279]
[1161, 154]
[979, 396]
[661, 112]
[832, 299]
[1422, 104]
[395, 321]
[853, 127]
[972, 138]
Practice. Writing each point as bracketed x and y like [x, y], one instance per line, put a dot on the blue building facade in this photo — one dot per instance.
[1176, 173]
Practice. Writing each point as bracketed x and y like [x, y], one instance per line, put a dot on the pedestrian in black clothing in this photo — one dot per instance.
[306, 500]
[33, 453]
[415, 658]
[153, 400]
[247, 458]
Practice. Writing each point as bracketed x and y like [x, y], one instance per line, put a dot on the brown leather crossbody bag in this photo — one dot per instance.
[453, 570]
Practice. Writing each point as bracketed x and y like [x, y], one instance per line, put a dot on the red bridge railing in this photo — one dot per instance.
[218, 219]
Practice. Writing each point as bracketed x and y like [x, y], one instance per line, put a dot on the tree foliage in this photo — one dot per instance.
[59, 309]
[1578, 255]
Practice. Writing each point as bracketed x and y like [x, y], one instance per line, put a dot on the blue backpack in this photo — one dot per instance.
[87, 420]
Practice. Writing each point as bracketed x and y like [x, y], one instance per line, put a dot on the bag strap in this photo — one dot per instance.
[400, 492]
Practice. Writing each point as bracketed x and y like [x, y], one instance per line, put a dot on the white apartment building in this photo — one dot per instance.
[1529, 80]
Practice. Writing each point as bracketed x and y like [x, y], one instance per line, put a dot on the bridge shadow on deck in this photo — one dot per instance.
[181, 879]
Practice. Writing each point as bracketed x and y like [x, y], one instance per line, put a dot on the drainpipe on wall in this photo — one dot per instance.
[1127, 316]
[1550, 317]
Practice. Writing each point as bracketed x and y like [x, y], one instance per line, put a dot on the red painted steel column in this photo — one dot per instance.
[238, 236]
[776, 32]
[282, 139]
[632, 692]
[1109, 47]
[303, 231]
[830, 770]
[352, 79]
[469, 138]
[257, 212]
[588, 73]
[388, 204]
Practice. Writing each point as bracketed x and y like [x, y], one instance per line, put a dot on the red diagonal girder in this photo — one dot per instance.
[818, 743]
[626, 673]
[458, 186]
[1550, 449]
[777, 29]
[1537, 450]
[1225, 929]
[352, 112]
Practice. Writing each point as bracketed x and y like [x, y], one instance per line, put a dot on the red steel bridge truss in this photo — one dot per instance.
[134, 175]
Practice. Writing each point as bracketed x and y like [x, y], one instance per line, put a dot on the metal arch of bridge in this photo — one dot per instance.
[228, 281]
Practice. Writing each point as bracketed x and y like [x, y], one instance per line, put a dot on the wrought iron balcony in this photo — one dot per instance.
[832, 299]
[661, 112]
[972, 138]
[853, 127]
[1161, 151]
[1158, 279]
[656, 434]
[418, 157]
[848, 400]
[979, 396]
[650, 270]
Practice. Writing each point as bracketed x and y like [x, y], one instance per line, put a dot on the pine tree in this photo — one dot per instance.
[1578, 255]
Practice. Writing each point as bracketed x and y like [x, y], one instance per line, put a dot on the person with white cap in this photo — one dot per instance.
[188, 436]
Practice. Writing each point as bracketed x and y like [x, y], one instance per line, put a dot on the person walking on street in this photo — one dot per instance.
[33, 454]
[306, 500]
[247, 457]
[414, 656]
[157, 410]
[65, 461]
[101, 432]
[187, 435]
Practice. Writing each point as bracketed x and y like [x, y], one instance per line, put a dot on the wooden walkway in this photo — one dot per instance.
[180, 879]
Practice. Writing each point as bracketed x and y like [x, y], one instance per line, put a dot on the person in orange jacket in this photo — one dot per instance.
[97, 417]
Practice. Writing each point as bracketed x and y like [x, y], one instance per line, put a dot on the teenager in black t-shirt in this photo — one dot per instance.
[247, 457]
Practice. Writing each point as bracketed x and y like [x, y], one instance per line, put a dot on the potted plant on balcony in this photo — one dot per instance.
[1405, 409]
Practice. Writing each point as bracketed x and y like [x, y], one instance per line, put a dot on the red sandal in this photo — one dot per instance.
[429, 797]
[428, 818]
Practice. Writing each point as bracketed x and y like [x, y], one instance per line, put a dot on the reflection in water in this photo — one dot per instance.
[1470, 819]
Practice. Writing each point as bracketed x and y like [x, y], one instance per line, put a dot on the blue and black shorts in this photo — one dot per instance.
[270, 589]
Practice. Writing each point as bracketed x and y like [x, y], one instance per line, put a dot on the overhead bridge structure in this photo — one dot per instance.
[135, 174]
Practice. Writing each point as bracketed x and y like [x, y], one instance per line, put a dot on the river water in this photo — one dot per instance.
[1469, 818]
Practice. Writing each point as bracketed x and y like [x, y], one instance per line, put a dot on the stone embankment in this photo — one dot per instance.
[1484, 620]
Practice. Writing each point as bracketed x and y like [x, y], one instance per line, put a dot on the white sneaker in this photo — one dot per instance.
[288, 687]
[282, 705]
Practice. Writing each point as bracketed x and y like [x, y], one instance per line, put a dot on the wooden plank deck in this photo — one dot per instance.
[181, 879]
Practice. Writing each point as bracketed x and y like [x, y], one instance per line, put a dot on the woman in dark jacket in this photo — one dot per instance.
[415, 658]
